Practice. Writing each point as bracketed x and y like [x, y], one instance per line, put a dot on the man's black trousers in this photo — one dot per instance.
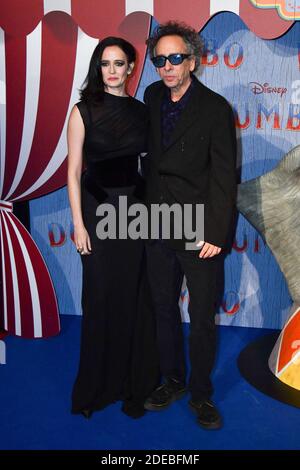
[166, 268]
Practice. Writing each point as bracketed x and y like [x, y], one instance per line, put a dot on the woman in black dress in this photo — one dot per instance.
[106, 133]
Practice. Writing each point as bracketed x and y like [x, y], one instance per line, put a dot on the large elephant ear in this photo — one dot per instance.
[271, 203]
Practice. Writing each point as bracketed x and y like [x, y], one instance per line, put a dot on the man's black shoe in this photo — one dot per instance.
[165, 394]
[207, 414]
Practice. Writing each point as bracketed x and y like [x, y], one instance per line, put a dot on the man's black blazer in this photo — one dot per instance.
[199, 164]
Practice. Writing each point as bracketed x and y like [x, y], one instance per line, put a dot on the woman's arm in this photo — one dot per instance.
[75, 137]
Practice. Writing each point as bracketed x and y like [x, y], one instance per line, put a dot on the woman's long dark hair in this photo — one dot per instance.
[93, 86]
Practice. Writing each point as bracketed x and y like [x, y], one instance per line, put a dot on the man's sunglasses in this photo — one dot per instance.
[174, 59]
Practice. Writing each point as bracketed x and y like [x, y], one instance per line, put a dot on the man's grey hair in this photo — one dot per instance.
[192, 39]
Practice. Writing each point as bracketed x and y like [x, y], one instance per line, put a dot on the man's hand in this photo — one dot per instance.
[208, 250]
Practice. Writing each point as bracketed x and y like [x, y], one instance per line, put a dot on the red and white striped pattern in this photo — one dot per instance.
[37, 80]
[100, 18]
[29, 302]
[39, 83]
[6, 206]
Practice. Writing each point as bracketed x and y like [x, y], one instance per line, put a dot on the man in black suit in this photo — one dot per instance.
[192, 160]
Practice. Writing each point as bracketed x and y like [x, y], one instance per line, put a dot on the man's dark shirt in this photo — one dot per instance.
[171, 112]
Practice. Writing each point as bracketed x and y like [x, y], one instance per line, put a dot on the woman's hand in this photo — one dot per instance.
[82, 240]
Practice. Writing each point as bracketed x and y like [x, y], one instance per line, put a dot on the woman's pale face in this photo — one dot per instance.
[115, 70]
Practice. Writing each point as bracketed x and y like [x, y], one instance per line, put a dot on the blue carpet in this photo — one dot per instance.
[35, 387]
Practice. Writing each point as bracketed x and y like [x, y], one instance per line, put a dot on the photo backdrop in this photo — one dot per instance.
[45, 55]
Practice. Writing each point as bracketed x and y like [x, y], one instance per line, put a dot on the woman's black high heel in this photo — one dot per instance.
[87, 413]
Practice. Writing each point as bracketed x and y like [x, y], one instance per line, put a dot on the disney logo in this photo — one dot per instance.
[258, 88]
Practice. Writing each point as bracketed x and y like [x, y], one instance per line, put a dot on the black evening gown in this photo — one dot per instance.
[118, 359]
